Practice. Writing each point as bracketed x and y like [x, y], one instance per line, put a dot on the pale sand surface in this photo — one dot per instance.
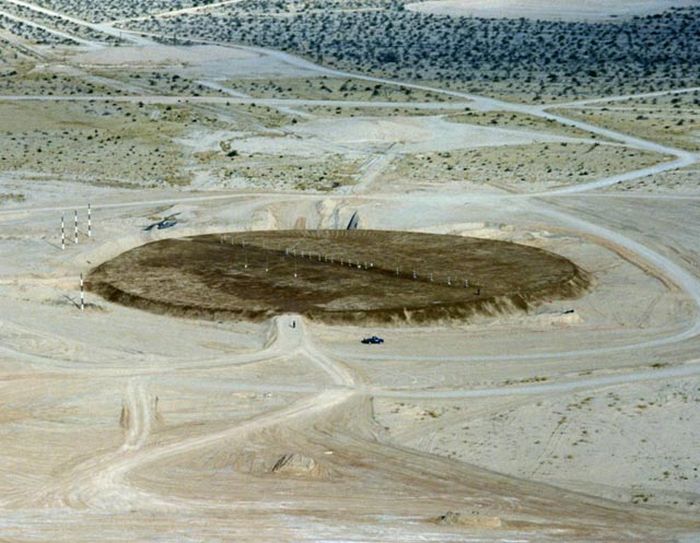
[573, 422]
[404, 135]
[551, 10]
[160, 55]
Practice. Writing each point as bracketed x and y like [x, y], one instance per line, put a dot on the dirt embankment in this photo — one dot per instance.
[336, 276]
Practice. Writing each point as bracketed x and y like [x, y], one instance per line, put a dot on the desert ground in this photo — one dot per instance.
[570, 417]
[587, 10]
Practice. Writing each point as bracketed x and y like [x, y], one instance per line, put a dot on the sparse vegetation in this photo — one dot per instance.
[32, 33]
[11, 197]
[533, 60]
[79, 140]
[334, 88]
[672, 120]
[107, 10]
[522, 167]
[51, 22]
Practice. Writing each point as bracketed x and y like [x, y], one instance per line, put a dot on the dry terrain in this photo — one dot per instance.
[590, 10]
[514, 151]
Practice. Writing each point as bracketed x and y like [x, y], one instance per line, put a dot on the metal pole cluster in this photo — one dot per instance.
[76, 230]
[82, 293]
[76, 240]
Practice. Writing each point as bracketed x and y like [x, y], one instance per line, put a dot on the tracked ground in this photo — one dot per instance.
[336, 276]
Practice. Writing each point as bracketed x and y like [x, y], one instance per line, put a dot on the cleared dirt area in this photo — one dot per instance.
[159, 55]
[361, 135]
[335, 276]
[548, 10]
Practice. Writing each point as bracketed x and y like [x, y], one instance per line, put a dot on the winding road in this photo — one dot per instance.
[102, 483]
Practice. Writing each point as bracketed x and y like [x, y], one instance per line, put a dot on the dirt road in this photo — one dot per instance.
[208, 474]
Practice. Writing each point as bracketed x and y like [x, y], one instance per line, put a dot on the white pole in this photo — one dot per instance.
[63, 232]
[75, 222]
[89, 221]
[82, 294]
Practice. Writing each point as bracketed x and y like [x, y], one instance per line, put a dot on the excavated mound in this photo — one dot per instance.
[473, 520]
[335, 276]
[299, 465]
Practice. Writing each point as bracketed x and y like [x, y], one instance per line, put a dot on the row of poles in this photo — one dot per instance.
[75, 227]
[359, 265]
[366, 266]
[76, 241]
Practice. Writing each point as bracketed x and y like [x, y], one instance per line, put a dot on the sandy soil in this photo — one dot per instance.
[405, 134]
[217, 63]
[159, 55]
[589, 10]
[574, 422]
[606, 441]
